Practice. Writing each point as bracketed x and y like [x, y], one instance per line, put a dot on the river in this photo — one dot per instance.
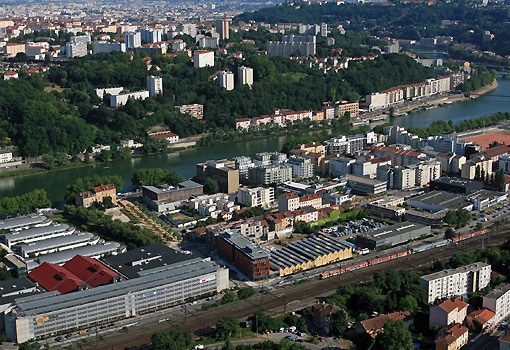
[184, 162]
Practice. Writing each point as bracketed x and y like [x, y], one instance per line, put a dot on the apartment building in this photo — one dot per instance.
[203, 58]
[447, 312]
[226, 80]
[292, 45]
[302, 167]
[154, 85]
[498, 301]
[256, 197]
[456, 282]
[194, 110]
[245, 75]
[5, 156]
[117, 101]
[267, 175]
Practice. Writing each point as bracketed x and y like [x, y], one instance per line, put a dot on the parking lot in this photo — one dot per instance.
[353, 227]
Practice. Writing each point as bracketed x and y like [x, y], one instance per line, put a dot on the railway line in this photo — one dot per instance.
[278, 301]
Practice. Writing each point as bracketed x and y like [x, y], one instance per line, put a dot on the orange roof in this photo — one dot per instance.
[449, 305]
[482, 316]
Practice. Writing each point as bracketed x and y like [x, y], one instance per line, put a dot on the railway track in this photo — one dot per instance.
[276, 302]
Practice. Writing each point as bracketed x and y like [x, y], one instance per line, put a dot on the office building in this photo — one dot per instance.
[223, 172]
[365, 186]
[246, 256]
[456, 282]
[154, 85]
[167, 284]
[226, 80]
[245, 75]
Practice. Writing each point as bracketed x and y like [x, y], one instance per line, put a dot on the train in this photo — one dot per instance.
[400, 254]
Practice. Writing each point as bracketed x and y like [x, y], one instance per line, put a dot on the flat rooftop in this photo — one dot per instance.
[471, 267]
[498, 292]
[134, 262]
[394, 230]
[53, 301]
[12, 289]
[93, 251]
[435, 201]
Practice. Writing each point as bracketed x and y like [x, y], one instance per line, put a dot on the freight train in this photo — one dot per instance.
[400, 254]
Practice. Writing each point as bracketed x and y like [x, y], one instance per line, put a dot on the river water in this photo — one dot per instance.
[184, 162]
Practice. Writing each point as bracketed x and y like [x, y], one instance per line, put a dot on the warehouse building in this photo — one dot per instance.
[52, 245]
[392, 235]
[35, 234]
[95, 251]
[26, 221]
[309, 253]
[39, 316]
[456, 185]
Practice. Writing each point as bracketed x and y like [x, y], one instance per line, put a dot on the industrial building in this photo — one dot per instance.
[95, 251]
[456, 282]
[309, 253]
[392, 235]
[52, 245]
[456, 185]
[25, 221]
[161, 199]
[437, 201]
[167, 284]
[365, 186]
[248, 257]
[35, 234]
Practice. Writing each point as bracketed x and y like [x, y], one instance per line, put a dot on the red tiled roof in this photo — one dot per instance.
[449, 305]
[102, 188]
[54, 277]
[91, 271]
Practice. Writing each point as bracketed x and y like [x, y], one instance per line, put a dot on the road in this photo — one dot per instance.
[277, 301]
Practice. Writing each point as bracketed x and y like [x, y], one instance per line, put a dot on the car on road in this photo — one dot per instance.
[59, 339]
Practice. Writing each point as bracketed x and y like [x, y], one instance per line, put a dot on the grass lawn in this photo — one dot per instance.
[294, 77]
[336, 215]
[181, 217]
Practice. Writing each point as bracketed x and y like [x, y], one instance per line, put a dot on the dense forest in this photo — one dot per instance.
[401, 20]
[59, 113]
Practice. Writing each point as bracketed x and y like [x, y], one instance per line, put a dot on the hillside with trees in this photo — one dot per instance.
[59, 114]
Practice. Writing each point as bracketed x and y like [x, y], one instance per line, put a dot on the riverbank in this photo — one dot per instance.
[448, 99]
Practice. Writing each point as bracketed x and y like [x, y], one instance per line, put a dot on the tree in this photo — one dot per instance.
[211, 186]
[408, 303]
[396, 336]
[228, 297]
[245, 293]
[174, 339]
[339, 323]
[226, 327]
[449, 233]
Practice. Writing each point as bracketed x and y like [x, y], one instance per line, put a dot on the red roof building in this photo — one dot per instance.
[77, 274]
[54, 277]
[91, 271]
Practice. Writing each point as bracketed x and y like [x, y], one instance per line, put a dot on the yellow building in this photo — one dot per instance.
[97, 194]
